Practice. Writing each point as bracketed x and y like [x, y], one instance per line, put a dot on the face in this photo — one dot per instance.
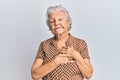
[58, 22]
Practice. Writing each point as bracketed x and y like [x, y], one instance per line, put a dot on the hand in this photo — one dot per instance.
[62, 59]
[70, 51]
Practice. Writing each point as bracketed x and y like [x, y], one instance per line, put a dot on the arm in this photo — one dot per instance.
[39, 70]
[84, 66]
[82, 60]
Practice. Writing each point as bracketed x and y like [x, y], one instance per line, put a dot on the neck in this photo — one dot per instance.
[62, 37]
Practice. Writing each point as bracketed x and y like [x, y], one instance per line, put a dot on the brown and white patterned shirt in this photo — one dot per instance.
[70, 71]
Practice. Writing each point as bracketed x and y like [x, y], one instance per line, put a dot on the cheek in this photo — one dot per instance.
[67, 24]
[51, 28]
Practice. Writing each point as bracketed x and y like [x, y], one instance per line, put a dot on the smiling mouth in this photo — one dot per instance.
[58, 28]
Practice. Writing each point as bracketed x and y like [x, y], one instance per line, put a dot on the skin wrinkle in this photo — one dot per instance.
[64, 56]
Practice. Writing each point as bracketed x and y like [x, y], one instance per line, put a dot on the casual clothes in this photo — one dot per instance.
[48, 50]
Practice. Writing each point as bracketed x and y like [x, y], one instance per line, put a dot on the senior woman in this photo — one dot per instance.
[62, 57]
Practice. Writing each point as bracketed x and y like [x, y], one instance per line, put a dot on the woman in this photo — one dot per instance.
[62, 57]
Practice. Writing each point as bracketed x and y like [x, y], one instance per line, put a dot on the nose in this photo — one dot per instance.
[56, 22]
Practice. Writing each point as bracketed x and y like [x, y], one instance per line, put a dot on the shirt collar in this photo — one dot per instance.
[68, 42]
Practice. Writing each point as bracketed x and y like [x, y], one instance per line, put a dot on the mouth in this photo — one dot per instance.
[58, 28]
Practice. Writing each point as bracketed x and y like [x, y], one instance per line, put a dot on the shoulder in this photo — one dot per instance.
[78, 40]
[47, 41]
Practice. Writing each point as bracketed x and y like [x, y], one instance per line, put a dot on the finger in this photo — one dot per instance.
[70, 47]
[71, 61]
[65, 55]
[65, 47]
[63, 50]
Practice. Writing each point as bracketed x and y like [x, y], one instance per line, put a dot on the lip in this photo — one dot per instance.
[58, 27]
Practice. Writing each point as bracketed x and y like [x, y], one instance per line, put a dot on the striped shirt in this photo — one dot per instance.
[70, 71]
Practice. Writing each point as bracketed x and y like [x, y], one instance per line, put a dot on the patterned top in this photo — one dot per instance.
[70, 71]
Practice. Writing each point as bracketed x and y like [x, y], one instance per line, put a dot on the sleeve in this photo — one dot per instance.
[40, 53]
[84, 50]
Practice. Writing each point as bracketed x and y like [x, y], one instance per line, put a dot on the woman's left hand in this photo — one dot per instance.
[71, 51]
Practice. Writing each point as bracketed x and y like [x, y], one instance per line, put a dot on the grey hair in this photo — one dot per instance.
[51, 9]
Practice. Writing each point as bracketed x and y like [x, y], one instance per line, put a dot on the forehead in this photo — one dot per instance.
[57, 14]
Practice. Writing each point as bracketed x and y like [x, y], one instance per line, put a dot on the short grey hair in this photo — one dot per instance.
[51, 9]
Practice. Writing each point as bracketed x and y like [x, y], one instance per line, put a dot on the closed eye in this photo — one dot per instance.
[59, 19]
[51, 21]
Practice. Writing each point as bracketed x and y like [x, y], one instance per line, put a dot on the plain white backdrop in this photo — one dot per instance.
[23, 27]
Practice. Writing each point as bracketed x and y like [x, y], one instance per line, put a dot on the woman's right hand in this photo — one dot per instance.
[62, 59]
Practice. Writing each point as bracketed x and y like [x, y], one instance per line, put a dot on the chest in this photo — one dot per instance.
[51, 51]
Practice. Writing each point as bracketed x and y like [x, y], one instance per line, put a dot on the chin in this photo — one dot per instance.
[59, 33]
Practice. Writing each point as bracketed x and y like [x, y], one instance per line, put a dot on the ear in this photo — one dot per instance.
[69, 22]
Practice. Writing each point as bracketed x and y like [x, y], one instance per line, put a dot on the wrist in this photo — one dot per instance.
[55, 63]
[77, 56]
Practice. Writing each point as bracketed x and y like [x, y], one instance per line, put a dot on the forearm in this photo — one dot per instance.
[43, 70]
[84, 66]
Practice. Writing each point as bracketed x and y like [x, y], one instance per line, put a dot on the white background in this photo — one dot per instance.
[23, 27]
